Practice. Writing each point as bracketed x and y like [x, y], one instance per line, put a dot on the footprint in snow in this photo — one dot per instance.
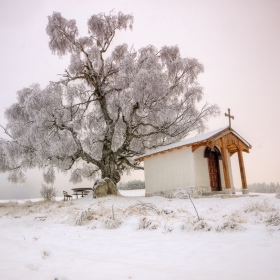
[33, 266]
[46, 254]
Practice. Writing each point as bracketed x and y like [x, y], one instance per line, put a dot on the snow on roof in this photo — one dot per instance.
[192, 140]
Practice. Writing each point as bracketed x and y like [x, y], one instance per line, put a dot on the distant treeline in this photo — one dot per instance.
[132, 185]
[264, 188]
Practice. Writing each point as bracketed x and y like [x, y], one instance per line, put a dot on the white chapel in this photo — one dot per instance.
[200, 164]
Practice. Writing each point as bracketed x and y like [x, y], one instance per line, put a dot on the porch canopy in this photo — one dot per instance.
[225, 138]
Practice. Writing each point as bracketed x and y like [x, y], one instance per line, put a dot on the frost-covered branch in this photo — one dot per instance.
[107, 109]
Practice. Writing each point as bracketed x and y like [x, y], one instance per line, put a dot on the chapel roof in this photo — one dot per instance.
[209, 136]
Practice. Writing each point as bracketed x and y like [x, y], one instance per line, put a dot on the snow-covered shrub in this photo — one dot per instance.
[229, 226]
[169, 212]
[273, 219]
[82, 216]
[261, 206]
[238, 217]
[132, 185]
[11, 203]
[148, 223]
[277, 194]
[143, 208]
[28, 203]
[48, 192]
[202, 225]
[168, 228]
[264, 188]
[111, 222]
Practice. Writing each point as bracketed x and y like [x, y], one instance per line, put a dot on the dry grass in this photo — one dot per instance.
[261, 206]
[273, 219]
[144, 207]
[229, 226]
[101, 213]
[148, 223]
[238, 216]
[202, 225]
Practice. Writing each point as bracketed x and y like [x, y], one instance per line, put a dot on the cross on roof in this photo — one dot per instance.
[229, 117]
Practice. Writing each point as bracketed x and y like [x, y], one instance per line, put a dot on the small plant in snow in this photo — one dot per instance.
[82, 216]
[202, 225]
[148, 223]
[111, 221]
[48, 193]
[229, 226]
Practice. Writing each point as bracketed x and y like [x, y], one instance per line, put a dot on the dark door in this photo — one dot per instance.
[214, 171]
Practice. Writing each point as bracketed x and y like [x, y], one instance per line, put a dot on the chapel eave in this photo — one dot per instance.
[222, 137]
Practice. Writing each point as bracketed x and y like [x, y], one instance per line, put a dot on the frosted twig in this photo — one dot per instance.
[194, 206]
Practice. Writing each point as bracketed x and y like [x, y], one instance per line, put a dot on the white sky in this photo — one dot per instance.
[238, 42]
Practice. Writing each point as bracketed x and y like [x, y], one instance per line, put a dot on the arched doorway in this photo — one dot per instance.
[213, 156]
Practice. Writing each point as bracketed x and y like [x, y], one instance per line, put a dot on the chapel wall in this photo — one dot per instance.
[202, 179]
[169, 171]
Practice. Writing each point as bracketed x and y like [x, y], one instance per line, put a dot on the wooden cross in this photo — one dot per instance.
[229, 117]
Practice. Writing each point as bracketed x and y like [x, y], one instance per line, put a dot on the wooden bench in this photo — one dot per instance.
[67, 196]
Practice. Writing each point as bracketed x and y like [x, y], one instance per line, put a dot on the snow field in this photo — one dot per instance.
[141, 238]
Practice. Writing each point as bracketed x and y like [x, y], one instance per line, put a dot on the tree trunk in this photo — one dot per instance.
[114, 176]
[109, 171]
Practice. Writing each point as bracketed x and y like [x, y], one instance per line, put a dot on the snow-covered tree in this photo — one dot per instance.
[107, 109]
[48, 192]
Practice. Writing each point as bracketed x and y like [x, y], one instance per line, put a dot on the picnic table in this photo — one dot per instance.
[81, 191]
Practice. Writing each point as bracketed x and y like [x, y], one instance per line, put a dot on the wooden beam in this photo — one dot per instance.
[225, 164]
[201, 144]
[242, 170]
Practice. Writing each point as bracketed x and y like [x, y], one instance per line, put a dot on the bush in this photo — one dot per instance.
[48, 193]
[264, 188]
[132, 185]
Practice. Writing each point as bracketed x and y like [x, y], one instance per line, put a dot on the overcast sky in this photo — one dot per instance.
[237, 41]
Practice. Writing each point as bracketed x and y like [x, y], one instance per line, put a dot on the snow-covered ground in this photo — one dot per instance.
[141, 238]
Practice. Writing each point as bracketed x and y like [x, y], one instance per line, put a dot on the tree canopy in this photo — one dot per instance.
[108, 108]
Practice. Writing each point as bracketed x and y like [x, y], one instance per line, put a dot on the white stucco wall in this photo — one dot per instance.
[180, 169]
[168, 171]
[201, 168]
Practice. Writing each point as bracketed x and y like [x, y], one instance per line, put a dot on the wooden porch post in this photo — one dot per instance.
[242, 172]
[225, 165]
